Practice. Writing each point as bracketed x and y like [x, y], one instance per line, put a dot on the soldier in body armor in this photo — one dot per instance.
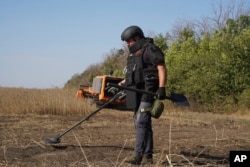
[145, 70]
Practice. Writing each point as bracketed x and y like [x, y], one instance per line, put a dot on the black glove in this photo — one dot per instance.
[161, 93]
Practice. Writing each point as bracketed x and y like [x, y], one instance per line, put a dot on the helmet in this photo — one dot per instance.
[130, 32]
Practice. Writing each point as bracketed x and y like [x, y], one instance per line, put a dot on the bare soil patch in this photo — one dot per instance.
[107, 139]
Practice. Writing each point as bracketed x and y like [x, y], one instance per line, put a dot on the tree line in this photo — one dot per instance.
[208, 60]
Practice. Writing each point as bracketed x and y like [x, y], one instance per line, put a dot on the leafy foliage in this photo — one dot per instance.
[211, 68]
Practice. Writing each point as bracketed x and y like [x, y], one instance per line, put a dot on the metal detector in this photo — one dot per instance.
[55, 140]
[178, 99]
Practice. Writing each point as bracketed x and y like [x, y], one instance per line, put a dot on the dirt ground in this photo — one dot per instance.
[107, 139]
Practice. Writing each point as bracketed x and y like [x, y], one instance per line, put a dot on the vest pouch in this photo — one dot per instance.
[129, 74]
[151, 82]
[157, 109]
[151, 77]
[129, 78]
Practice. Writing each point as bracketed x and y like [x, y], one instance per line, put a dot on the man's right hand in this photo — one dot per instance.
[161, 93]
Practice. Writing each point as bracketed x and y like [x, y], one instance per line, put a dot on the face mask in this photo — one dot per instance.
[137, 45]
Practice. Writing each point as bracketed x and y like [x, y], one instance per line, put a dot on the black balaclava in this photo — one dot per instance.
[137, 45]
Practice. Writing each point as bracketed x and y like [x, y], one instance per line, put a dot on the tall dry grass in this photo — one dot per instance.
[58, 101]
[54, 101]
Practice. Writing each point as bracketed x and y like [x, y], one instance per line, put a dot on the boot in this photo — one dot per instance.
[135, 160]
[147, 161]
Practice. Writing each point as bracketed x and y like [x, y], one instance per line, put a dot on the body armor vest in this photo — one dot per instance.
[139, 69]
[140, 74]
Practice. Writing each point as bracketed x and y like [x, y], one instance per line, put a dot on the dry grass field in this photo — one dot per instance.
[182, 137]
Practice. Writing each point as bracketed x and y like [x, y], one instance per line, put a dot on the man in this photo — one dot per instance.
[145, 70]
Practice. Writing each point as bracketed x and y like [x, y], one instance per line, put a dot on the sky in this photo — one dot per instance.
[43, 43]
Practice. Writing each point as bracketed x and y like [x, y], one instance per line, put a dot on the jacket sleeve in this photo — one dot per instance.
[155, 55]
